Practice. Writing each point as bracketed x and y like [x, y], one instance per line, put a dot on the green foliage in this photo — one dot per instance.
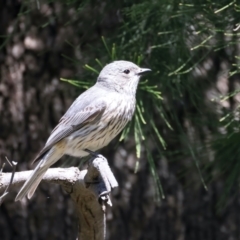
[182, 40]
[186, 108]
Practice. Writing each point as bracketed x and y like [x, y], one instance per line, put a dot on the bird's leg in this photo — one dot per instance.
[94, 154]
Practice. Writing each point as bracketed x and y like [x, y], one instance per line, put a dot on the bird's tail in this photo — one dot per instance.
[35, 178]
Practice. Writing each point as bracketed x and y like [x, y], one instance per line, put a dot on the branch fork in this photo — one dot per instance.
[89, 189]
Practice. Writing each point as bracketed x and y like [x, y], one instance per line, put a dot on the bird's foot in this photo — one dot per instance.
[94, 154]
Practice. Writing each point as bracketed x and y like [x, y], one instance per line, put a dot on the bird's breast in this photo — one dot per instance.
[98, 134]
[116, 117]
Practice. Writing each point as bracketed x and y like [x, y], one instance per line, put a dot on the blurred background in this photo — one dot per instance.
[178, 162]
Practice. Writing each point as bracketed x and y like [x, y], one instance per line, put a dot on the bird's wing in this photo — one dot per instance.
[70, 123]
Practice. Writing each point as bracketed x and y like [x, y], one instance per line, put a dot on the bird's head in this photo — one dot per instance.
[121, 76]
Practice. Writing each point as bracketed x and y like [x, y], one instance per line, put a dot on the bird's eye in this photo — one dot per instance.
[126, 71]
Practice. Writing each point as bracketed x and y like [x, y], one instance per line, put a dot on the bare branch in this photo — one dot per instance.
[8, 161]
[13, 165]
[2, 167]
[89, 190]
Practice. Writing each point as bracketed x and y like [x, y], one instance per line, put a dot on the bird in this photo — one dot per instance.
[96, 117]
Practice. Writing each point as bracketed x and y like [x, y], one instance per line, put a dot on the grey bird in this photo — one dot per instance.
[92, 121]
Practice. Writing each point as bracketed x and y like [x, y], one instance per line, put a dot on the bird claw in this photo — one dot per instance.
[94, 154]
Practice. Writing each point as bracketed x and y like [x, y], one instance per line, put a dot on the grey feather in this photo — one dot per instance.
[35, 178]
[92, 121]
[70, 123]
[32, 182]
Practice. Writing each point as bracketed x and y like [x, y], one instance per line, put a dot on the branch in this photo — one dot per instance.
[13, 165]
[89, 190]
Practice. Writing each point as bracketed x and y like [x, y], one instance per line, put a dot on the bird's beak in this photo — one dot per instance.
[143, 71]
